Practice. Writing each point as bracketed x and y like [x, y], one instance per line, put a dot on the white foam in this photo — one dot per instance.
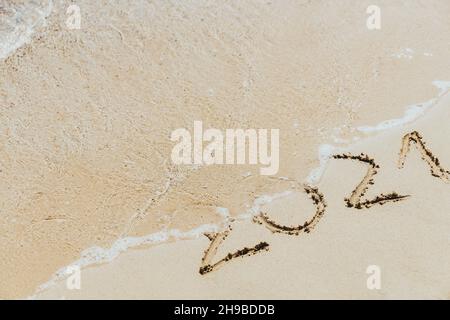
[412, 112]
[443, 86]
[223, 212]
[98, 255]
[19, 23]
[406, 53]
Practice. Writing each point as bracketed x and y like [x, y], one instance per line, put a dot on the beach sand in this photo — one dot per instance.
[407, 240]
[86, 117]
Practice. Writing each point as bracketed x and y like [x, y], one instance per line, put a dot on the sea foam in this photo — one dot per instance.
[19, 22]
[411, 114]
[97, 255]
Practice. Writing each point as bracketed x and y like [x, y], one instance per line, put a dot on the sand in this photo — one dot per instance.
[408, 240]
[86, 120]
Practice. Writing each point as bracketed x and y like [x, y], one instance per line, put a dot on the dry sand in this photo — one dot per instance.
[86, 117]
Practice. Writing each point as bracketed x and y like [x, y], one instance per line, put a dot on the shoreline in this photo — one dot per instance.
[249, 273]
[87, 115]
[96, 256]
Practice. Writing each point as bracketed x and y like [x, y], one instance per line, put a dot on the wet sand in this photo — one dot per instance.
[86, 117]
[407, 240]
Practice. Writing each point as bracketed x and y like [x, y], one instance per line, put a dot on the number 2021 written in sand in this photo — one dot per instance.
[355, 200]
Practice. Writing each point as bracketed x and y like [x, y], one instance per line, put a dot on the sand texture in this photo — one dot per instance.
[85, 122]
